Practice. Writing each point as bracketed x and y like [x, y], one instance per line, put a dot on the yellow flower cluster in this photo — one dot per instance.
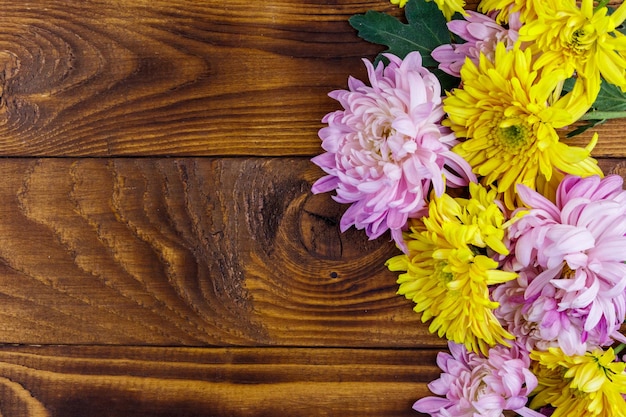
[504, 8]
[400, 3]
[581, 385]
[508, 112]
[449, 268]
[580, 40]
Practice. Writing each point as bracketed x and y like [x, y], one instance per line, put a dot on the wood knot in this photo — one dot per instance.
[321, 234]
[9, 67]
[319, 226]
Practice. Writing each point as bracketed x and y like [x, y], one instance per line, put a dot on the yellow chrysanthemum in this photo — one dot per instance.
[581, 385]
[526, 9]
[400, 3]
[448, 270]
[508, 114]
[447, 7]
[579, 40]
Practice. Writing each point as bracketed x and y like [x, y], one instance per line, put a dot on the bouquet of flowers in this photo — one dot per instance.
[513, 243]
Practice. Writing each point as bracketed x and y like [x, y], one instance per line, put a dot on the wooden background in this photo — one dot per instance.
[161, 253]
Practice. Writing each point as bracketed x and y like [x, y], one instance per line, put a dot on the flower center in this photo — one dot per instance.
[513, 137]
[444, 276]
[387, 131]
[376, 139]
[577, 38]
[567, 272]
[581, 39]
[385, 143]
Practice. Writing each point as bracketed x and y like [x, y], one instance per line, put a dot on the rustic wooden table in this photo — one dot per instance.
[161, 253]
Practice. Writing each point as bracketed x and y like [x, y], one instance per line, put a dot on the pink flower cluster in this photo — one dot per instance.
[386, 148]
[572, 277]
[481, 34]
[473, 385]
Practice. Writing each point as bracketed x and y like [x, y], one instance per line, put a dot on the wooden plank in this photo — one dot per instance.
[115, 381]
[610, 139]
[192, 252]
[189, 252]
[111, 78]
[166, 77]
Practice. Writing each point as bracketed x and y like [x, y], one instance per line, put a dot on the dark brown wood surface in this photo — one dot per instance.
[161, 253]
[141, 381]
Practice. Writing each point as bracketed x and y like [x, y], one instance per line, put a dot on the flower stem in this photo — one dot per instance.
[603, 115]
[601, 4]
[619, 348]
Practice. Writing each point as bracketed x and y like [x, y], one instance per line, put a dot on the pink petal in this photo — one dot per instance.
[535, 200]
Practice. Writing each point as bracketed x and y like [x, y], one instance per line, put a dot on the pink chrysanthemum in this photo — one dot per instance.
[481, 33]
[387, 147]
[474, 385]
[571, 287]
[539, 323]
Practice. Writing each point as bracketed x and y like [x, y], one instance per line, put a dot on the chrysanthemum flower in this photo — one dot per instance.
[450, 7]
[386, 148]
[450, 266]
[481, 34]
[571, 255]
[538, 322]
[509, 115]
[581, 385]
[447, 7]
[474, 385]
[579, 39]
[505, 8]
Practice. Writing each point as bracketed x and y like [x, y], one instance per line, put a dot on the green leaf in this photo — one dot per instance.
[610, 98]
[425, 30]
[610, 104]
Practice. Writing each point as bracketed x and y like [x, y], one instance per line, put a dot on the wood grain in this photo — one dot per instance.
[100, 381]
[104, 78]
[189, 252]
[113, 78]
[192, 252]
